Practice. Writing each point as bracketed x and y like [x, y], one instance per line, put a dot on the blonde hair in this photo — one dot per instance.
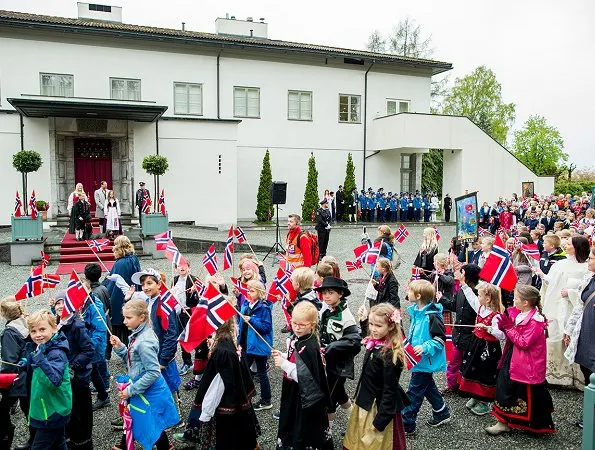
[122, 246]
[137, 307]
[307, 311]
[552, 239]
[488, 240]
[424, 289]
[259, 287]
[441, 259]
[324, 270]
[10, 309]
[430, 242]
[304, 278]
[493, 293]
[394, 338]
[39, 316]
[384, 263]
[386, 233]
[112, 193]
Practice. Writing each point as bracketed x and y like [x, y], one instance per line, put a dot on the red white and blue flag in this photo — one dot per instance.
[33, 205]
[17, 206]
[437, 233]
[76, 294]
[283, 281]
[50, 280]
[401, 234]
[531, 251]
[353, 265]
[161, 203]
[33, 286]
[360, 251]
[199, 286]
[166, 305]
[209, 261]
[45, 259]
[162, 239]
[416, 273]
[483, 232]
[498, 268]
[98, 245]
[173, 254]
[146, 206]
[228, 253]
[239, 234]
[410, 357]
[242, 287]
[372, 254]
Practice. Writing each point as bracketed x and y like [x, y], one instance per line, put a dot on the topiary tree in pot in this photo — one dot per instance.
[25, 162]
[155, 165]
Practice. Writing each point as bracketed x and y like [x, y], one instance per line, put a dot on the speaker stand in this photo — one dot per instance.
[276, 247]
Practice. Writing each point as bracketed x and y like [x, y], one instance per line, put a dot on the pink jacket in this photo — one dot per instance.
[529, 353]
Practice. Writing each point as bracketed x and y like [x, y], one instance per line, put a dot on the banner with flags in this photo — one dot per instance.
[17, 206]
[76, 294]
[239, 234]
[161, 203]
[162, 239]
[401, 234]
[33, 205]
[228, 253]
[33, 286]
[173, 254]
[209, 261]
[498, 268]
[353, 265]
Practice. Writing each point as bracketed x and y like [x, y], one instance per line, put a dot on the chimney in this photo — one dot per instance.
[249, 19]
[183, 26]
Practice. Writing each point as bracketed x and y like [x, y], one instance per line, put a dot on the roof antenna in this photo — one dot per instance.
[183, 26]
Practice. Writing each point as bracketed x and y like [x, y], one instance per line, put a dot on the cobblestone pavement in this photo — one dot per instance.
[466, 430]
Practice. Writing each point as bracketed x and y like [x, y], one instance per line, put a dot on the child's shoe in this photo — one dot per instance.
[497, 429]
[439, 417]
[471, 403]
[481, 409]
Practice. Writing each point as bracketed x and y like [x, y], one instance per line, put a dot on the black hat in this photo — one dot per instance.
[334, 283]
[471, 272]
[141, 183]
[324, 201]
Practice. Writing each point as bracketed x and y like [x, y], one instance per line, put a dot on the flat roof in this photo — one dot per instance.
[49, 23]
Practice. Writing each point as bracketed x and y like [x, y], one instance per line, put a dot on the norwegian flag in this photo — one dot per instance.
[437, 233]
[416, 273]
[286, 265]
[575, 224]
[161, 203]
[401, 234]
[514, 231]
[372, 254]
[98, 245]
[242, 287]
[410, 357]
[33, 286]
[498, 268]
[33, 205]
[173, 254]
[273, 293]
[360, 251]
[483, 232]
[449, 342]
[239, 234]
[166, 305]
[51, 280]
[146, 206]
[76, 294]
[209, 261]
[200, 287]
[207, 317]
[162, 239]
[228, 253]
[351, 266]
[45, 259]
[17, 206]
[283, 281]
[531, 250]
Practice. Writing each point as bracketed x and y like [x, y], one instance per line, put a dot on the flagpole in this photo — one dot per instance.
[254, 254]
[97, 256]
[248, 323]
[94, 305]
[176, 299]
[8, 363]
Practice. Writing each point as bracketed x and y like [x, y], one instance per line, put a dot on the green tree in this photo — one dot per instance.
[26, 161]
[540, 147]
[310, 203]
[478, 96]
[264, 205]
[431, 173]
[348, 184]
[155, 165]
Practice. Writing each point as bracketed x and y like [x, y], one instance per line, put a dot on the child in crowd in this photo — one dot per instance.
[150, 401]
[252, 257]
[222, 412]
[522, 397]
[187, 297]
[323, 270]
[380, 399]
[487, 243]
[302, 281]
[552, 252]
[305, 393]
[465, 315]
[427, 337]
[49, 379]
[471, 255]
[536, 239]
[443, 278]
[80, 353]
[328, 259]
[386, 285]
[249, 271]
[479, 368]
[13, 342]
[257, 313]
[340, 338]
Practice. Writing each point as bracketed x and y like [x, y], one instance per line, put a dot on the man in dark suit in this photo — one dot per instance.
[340, 203]
[323, 227]
[447, 207]
[139, 200]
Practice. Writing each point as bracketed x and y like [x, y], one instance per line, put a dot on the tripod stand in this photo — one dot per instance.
[276, 247]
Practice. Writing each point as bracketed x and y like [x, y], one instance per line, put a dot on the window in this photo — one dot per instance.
[396, 106]
[299, 105]
[246, 102]
[407, 173]
[101, 8]
[57, 85]
[125, 89]
[188, 98]
[349, 106]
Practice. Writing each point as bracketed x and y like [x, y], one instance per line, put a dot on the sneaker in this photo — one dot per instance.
[434, 422]
[181, 438]
[481, 409]
[191, 384]
[260, 405]
[98, 404]
[184, 368]
[277, 415]
[117, 424]
[497, 429]
[471, 403]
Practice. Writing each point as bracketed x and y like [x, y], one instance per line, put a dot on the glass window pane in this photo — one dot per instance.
[403, 107]
[391, 107]
[343, 116]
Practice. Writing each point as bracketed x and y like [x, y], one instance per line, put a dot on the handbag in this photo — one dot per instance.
[371, 292]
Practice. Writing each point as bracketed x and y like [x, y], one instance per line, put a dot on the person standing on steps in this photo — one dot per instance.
[100, 197]
[140, 193]
[447, 207]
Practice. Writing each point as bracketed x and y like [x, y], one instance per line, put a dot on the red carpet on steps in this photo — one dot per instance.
[77, 254]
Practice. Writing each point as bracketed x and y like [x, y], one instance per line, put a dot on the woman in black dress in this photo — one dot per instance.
[425, 256]
[81, 212]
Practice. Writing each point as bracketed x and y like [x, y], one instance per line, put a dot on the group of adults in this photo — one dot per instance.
[107, 211]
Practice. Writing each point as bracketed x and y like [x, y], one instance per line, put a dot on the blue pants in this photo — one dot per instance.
[49, 439]
[263, 376]
[422, 385]
[393, 216]
[372, 211]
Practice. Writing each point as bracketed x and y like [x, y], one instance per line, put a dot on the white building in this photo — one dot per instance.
[94, 96]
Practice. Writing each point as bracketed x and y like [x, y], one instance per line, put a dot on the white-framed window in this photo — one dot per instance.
[395, 106]
[125, 89]
[349, 108]
[299, 105]
[57, 84]
[188, 98]
[246, 102]
[407, 172]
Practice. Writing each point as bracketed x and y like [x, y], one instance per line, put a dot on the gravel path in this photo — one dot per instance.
[466, 431]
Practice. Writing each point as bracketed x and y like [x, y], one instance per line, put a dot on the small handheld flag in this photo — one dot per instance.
[401, 234]
[228, 253]
[498, 268]
[33, 205]
[33, 286]
[98, 245]
[146, 206]
[161, 203]
[351, 266]
[209, 261]
[239, 234]
[162, 239]
[76, 294]
[17, 206]
[410, 357]
[416, 273]
[437, 233]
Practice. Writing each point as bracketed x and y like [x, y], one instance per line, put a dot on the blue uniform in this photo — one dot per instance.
[417, 208]
[371, 208]
[403, 204]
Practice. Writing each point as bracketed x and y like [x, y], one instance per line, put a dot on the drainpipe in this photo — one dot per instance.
[218, 87]
[365, 123]
[22, 132]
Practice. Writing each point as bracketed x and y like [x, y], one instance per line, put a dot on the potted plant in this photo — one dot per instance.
[24, 227]
[42, 207]
[155, 222]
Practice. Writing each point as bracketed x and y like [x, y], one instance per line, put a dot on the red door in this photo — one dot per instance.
[92, 165]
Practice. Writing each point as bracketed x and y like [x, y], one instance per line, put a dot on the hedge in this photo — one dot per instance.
[573, 188]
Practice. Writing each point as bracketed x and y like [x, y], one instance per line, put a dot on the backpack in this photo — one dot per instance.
[395, 259]
[313, 244]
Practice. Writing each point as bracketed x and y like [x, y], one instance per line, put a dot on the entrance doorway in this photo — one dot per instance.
[92, 165]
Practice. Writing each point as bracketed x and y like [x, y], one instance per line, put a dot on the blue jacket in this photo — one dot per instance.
[393, 204]
[371, 203]
[96, 327]
[427, 329]
[81, 351]
[168, 338]
[125, 266]
[262, 321]
[417, 203]
[363, 202]
[404, 202]
[382, 203]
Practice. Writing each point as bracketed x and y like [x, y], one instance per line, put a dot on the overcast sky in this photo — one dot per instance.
[542, 51]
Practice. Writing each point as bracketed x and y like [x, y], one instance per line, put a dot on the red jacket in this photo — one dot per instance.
[529, 353]
[301, 252]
